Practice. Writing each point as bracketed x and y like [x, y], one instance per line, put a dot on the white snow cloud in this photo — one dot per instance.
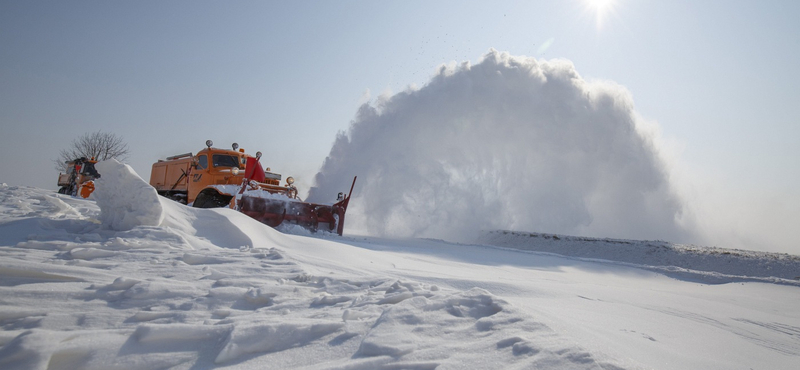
[508, 143]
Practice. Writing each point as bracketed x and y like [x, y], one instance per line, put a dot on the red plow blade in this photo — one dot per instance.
[274, 211]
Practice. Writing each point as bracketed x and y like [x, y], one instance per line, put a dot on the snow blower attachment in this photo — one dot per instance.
[274, 210]
[230, 178]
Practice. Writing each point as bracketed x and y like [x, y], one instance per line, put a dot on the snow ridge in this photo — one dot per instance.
[706, 264]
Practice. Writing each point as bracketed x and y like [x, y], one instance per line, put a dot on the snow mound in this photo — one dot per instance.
[125, 199]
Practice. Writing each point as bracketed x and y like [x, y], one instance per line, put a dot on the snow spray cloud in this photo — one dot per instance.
[509, 143]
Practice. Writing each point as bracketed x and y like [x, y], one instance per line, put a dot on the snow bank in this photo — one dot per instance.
[125, 199]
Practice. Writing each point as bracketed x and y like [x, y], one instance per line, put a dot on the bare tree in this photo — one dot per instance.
[98, 145]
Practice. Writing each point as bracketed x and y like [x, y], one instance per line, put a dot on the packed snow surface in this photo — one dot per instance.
[175, 287]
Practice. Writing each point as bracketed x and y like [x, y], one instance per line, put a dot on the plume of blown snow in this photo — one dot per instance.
[508, 143]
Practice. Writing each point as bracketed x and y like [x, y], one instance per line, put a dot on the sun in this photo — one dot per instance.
[600, 9]
[600, 5]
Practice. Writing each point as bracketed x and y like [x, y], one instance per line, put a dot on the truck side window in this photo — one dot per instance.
[202, 162]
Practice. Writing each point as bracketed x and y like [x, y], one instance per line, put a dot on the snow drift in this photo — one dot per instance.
[508, 143]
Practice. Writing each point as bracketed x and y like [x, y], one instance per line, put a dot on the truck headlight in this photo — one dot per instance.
[235, 171]
[290, 180]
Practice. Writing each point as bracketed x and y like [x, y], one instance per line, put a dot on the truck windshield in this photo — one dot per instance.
[222, 160]
[88, 168]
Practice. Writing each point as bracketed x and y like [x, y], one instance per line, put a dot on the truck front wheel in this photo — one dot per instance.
[210, 198]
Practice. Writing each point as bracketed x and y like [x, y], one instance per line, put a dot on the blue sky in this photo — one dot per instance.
[718, 77]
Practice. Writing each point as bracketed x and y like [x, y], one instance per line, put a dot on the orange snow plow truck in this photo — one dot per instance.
[230, 178]
[79, 179]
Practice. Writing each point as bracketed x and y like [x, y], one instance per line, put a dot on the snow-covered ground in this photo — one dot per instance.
[134, 281]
